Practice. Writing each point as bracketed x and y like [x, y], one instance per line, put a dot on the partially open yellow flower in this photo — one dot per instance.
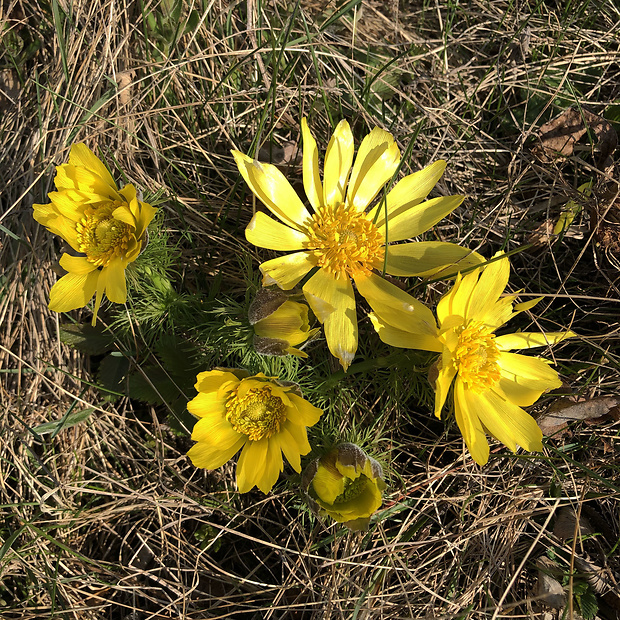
[341, 237]
[280, 324]
[105, 225]
[258, 415]
[491, 385]
[345, 484]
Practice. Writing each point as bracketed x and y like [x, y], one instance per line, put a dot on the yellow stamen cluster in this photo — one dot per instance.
[102, 237]
[259, 414]
[475, 358]
[345, 241]
[352, 489]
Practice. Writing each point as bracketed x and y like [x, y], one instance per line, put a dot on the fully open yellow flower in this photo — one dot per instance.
[257, 415]
[345, 484]
[490, 383]
[341, 236]
[107, 226]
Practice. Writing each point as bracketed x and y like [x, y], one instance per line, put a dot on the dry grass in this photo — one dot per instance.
[108, 520]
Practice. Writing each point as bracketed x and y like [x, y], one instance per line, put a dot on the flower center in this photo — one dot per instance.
[352, 489]
[475, 358]
[345, 242]
[259, 414]
[102, 237]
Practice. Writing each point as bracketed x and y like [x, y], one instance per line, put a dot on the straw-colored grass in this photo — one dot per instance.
[108, 519]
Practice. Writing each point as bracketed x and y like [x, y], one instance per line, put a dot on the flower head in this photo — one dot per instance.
[343, 238]
[258, 415]
[345, 484]
[280, 324]
[105, 225]
[491, 385]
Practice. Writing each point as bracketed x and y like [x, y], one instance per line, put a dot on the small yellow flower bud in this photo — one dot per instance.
[280, 324]
[345, 484]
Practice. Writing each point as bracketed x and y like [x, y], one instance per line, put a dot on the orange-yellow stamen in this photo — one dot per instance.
[475, 358]
[259, 414]
[345, 242]
[102, 237]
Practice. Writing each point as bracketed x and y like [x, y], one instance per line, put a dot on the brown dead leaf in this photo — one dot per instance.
[124, 81]
[557, 418]
[558, 137]
[9, 89]
[289, 154]
[566, 522]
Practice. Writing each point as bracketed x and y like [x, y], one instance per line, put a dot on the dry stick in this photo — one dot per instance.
[524, 560]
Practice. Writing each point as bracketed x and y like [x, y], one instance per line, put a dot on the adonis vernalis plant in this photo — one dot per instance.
[258, 415]
[345, 484]
[342, 237]
[491, 384]
[107, 226]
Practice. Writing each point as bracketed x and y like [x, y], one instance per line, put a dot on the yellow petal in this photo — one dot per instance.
[425, 258]
[210, 406]
[454, 303]
[312, 179]
[377, 160]
[529, 340]
[273, 466]
[207, 456]
[270, 186]
[507, 422]
[285, 323]
[445, 376]
[49, 216]
[217, 433]
[81, 155]
[73, 291]
[286, 271]
[328, 484]
[500, 312]
[403, 339]
[299, 435]
[533, 373]
[394, 306]
[340, 326]
[77, 265]
[213, 380]
[466, 413]
[115, 284]
[364, 505]
[288, 446]
[265, 232]
[305, 413]
[338, 159]
[419, 219]
[409, 192]
[251, 464]
[491, 285]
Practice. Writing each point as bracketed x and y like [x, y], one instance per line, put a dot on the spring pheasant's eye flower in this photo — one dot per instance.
[280, 324]
[106, 226]
[258, 415]
[345, 484]
[341, 236]
[491, 385]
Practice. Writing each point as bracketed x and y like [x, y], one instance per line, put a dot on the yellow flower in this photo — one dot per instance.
[490, 383]
[259, 414]
[107, 226]
[280, 324]
[345, 484]
[341, 237]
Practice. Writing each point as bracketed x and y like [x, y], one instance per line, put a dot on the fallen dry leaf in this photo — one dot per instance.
[558, 137]
[556, 419]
